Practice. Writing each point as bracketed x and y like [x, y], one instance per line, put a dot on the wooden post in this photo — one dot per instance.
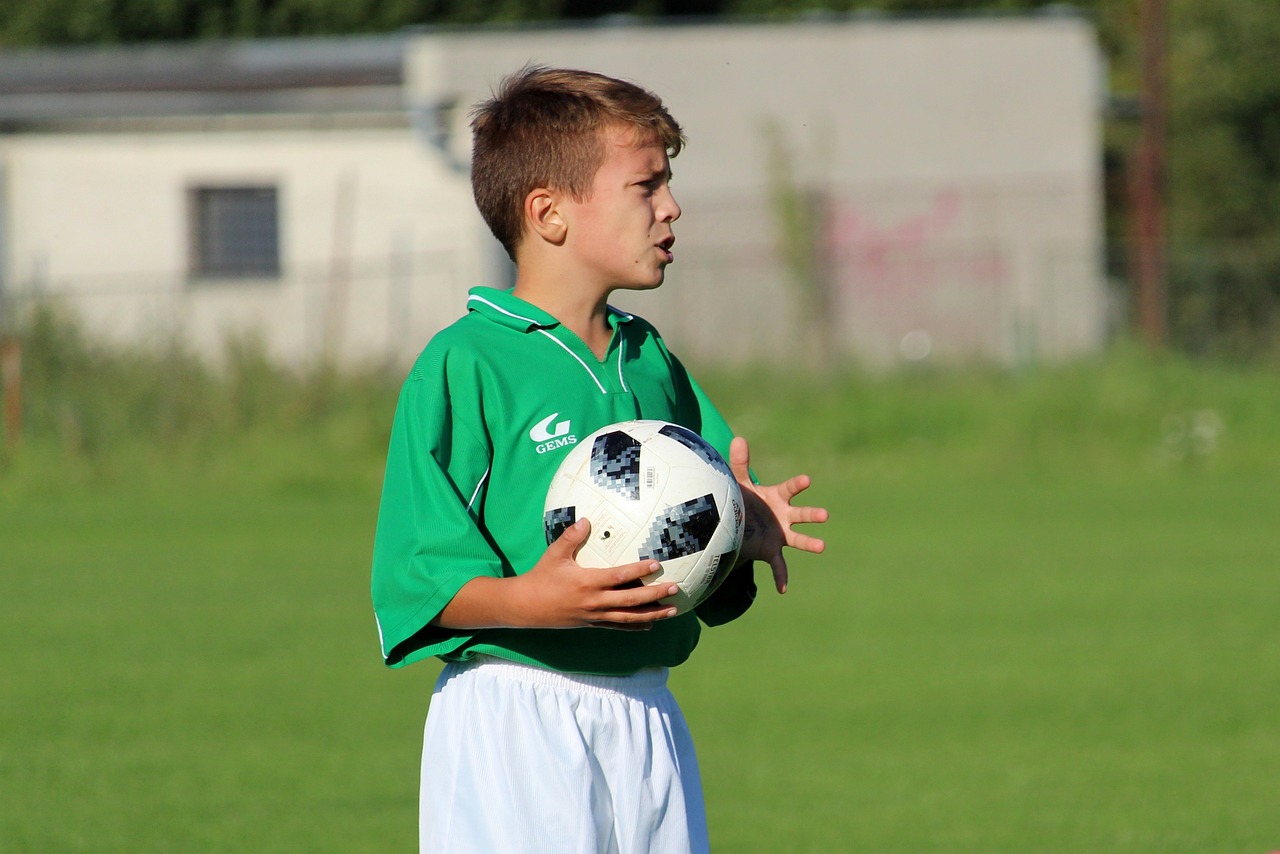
[1150, 267]
[11, 373]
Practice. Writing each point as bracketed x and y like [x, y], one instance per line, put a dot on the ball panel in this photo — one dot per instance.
[681, 530]
[698, 445]
[558, 520]
[615, 464]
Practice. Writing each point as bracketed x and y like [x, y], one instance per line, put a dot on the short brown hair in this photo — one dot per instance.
[544, 128]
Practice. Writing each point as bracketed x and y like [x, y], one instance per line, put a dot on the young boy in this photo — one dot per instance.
[551, 728]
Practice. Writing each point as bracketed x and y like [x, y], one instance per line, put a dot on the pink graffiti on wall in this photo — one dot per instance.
[915, 251]
[920, 271]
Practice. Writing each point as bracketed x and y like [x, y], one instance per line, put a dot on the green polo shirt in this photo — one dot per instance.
[486, 415]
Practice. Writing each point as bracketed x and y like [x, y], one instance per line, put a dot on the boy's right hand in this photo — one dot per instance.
[564, 594]
[558, 592]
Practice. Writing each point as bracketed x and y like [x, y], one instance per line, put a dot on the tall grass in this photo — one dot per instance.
[1123, 409]
[99, 412]
[96, 412]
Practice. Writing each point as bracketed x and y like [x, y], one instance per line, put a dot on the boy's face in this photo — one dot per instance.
[621, 237]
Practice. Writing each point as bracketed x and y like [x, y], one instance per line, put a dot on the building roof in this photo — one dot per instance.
[48, 88]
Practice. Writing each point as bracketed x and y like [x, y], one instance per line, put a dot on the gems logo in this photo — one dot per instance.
[549, 438]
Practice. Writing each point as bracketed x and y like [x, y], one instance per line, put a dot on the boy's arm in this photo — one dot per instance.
[559, 593]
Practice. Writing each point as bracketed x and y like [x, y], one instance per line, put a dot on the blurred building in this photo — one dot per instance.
[880, 189]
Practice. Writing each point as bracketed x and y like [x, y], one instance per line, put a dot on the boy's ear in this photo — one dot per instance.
[543, 216]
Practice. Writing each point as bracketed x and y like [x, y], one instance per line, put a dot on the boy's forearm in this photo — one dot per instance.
[483, 602]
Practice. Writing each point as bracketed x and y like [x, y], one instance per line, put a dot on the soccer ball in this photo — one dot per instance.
[652, 490]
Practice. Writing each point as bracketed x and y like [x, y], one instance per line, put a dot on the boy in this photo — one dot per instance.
[551, 728]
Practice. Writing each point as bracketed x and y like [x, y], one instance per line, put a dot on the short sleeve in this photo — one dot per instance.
[428, 542]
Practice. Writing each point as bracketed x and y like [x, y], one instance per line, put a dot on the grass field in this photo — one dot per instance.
[1047, 621]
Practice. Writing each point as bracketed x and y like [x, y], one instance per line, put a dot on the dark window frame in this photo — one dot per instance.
[234, 232]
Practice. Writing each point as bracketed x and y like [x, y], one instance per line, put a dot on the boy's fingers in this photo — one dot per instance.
[739, 458]
[631, 573]
[807, 544]
[793, 486]
[645, 597]
[779, 565]
[632, 598]
[809, 514]
[639, 618]
[643, 614]
[573, 537]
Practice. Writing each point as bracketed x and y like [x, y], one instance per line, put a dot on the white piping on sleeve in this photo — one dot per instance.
[483, 478]
[585, 367]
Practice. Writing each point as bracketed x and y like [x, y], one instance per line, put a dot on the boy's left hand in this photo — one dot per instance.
[771, 515]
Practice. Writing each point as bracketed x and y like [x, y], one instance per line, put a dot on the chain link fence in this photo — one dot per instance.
[913, 293]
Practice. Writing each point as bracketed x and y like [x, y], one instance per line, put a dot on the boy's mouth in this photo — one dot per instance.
[664, 246]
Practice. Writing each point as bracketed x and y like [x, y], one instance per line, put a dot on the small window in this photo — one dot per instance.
[235, 233]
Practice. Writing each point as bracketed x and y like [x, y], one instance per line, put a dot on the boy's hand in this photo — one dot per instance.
[770, 516]
[558, 593]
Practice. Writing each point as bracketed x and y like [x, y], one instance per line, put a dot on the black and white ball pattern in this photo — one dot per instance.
[653, 491]
[615, 464]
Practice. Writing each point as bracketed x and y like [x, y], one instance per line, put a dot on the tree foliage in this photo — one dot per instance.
[1224, 89]
[59, 22]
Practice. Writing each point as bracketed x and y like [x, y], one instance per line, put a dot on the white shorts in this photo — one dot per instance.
[518, 760]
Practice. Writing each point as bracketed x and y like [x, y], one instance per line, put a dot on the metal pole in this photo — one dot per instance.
[400, 296]
[1150, 268]
[6, 319]
[335, 315]
[10, 344]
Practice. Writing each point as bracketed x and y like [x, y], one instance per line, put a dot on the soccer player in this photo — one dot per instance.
[551, 728]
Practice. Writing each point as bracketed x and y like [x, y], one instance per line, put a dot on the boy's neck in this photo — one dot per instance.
[584, 313]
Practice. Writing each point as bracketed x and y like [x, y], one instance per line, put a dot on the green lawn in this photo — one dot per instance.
[197, 670]
[1002, 664]
[1010, 646]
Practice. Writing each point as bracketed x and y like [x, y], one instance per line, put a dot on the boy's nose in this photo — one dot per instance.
[670, 210]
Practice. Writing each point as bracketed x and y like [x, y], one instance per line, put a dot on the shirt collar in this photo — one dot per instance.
[503, 307]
